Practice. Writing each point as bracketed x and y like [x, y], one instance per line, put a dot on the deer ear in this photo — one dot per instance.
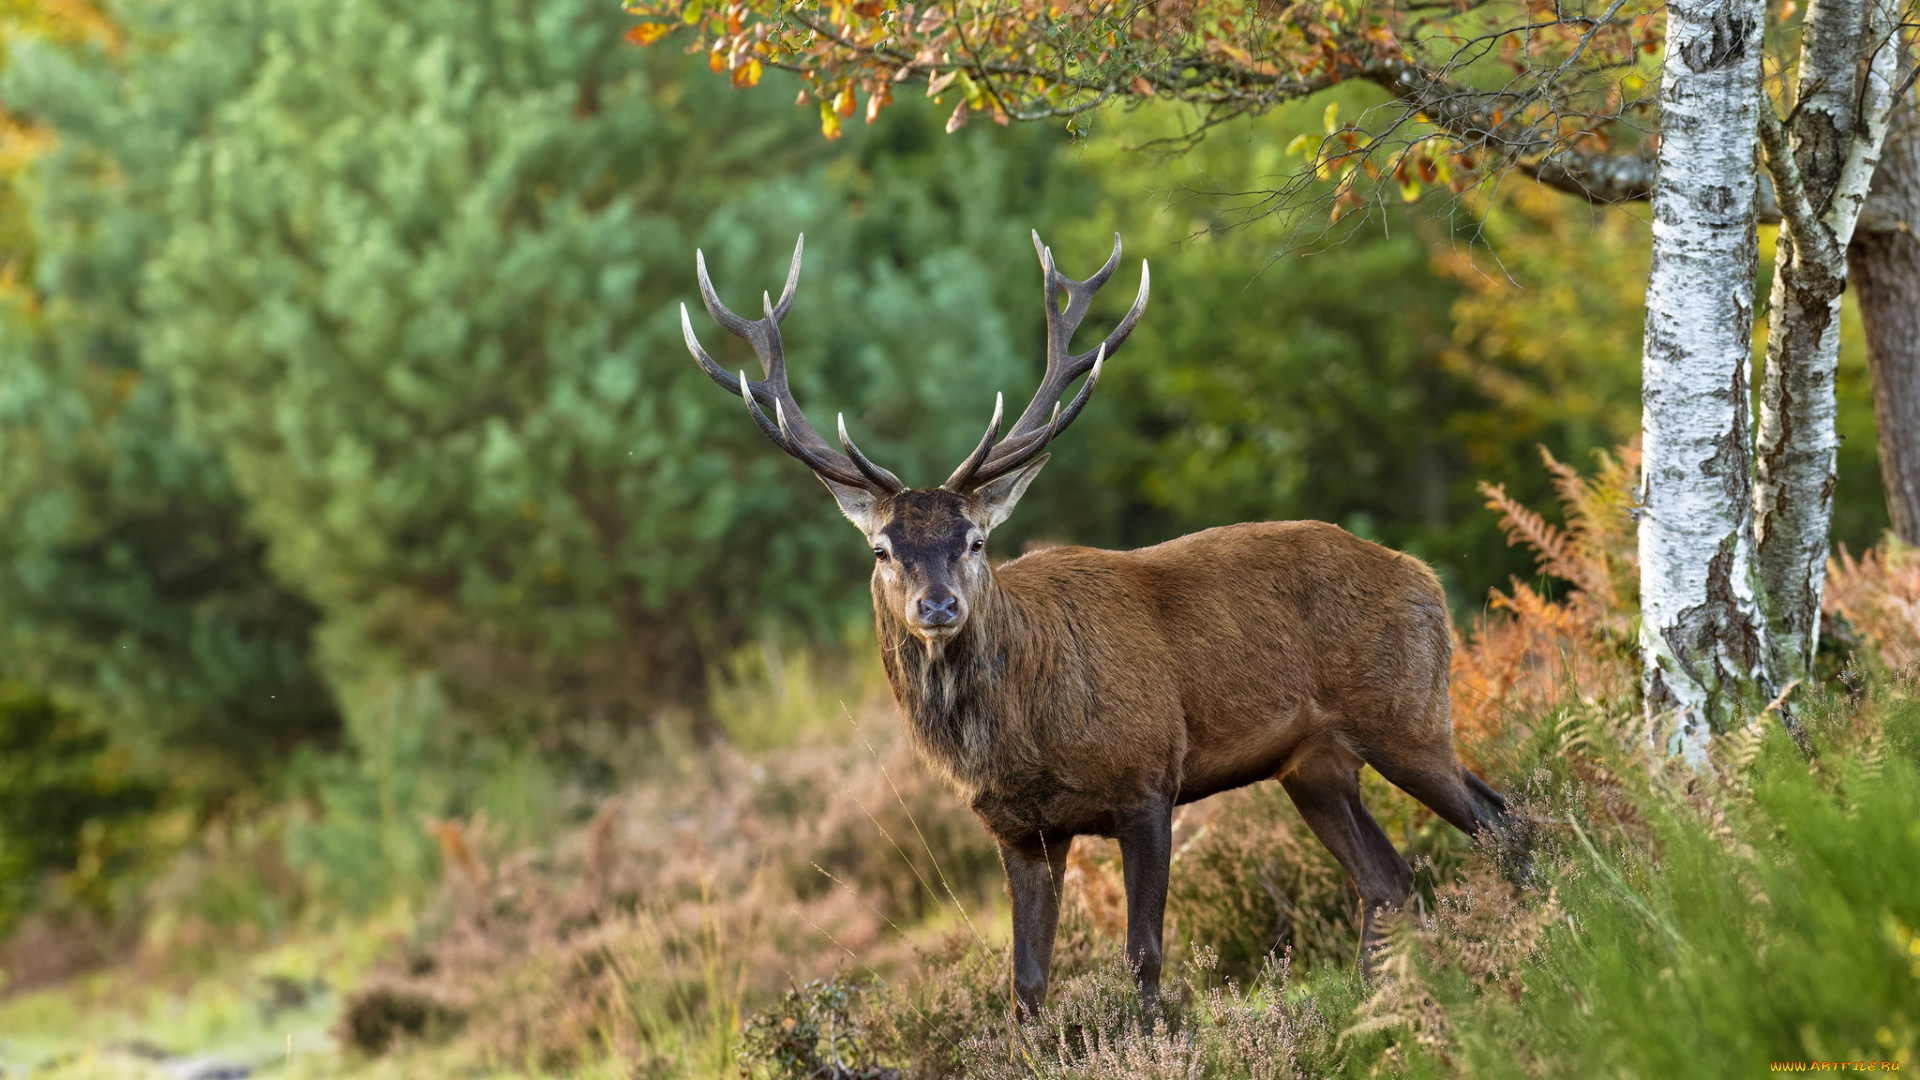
[998, 497]
[857, 503]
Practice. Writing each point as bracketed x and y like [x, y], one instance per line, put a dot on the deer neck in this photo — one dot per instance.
[955, 692]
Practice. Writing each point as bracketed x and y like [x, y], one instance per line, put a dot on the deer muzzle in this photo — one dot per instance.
[938, 612]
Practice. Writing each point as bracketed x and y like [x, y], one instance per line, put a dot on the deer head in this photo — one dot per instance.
[929, 545]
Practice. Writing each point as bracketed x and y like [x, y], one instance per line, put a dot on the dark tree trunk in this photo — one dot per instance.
[1884, 258]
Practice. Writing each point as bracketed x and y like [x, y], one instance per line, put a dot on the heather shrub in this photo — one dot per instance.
[813, 1033]
[1094, 1027]
[682, 906]
[933, 1019]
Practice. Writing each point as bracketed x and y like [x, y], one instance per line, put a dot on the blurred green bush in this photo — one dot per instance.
[72, 813]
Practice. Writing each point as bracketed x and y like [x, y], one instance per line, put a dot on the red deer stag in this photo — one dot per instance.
[1081, 692]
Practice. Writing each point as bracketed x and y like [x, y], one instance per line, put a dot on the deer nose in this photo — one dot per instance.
[939, 609]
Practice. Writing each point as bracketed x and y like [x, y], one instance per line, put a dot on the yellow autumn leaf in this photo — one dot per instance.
[829, 122]
[747, 74]
[1331, 119]
[648, 33]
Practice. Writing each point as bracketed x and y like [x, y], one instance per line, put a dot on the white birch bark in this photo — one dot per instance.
[1822, 168]
[1700, 628]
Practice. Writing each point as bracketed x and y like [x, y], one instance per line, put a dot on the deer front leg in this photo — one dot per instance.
[1034, 877]
[1146, 850]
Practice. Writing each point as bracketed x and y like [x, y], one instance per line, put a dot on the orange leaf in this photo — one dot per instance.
[717, 59]
[1141, 86]
[843, 103]
[747, 74]
[648, 33]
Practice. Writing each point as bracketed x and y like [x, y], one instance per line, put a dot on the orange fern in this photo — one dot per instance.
[1879, 594]
[1528, 653]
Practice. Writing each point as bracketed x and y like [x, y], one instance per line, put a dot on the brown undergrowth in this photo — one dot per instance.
[642, 934]
[1878, 594]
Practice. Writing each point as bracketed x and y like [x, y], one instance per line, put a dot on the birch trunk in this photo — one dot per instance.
[1821, 171]
[1885, 259]
[1700, 628]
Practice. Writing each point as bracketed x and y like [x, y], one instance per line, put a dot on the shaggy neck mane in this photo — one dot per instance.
[952, 691]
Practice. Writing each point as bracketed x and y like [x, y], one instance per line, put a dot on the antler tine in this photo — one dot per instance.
[1128, 322]
[1043, 418]
[1062, 322]
[734, 324]
[820, 463]
[714, 371]
[788, 428]
[958, 481]
[1013, 454]
[767, 427]
[782, 437]
[1100, 277]
[793, 282]
[867, 468]
[1017, 456]
[773, 356]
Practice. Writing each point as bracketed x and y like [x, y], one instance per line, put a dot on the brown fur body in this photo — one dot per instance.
[1086, 682]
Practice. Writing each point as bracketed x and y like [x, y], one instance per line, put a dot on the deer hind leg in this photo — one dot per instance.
[1438, 780]
[1445, 787]
[1326, 790]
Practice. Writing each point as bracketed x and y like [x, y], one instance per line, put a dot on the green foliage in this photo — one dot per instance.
[420, 293]
[1780, 928]
[130, 582]
[72, 815]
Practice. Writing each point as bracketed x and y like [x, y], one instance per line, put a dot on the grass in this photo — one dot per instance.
[274, 1006]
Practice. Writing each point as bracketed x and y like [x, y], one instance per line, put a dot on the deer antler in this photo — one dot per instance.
[1043, 417]
[788, 428]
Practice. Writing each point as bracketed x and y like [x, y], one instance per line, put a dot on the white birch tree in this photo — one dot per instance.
[1700, 629]
[1822, 162]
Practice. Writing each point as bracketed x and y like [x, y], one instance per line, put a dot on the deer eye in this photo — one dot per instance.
[880, 553]
[978, 545]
